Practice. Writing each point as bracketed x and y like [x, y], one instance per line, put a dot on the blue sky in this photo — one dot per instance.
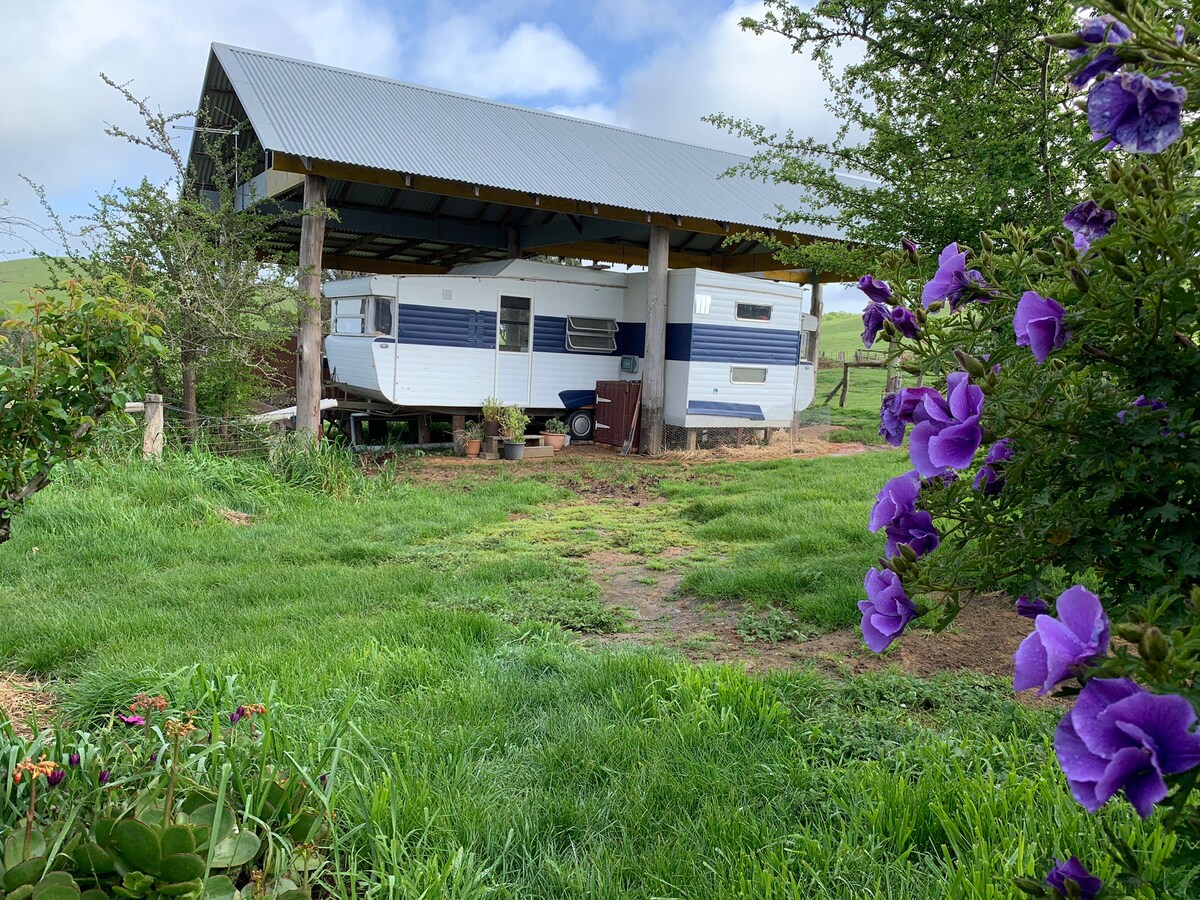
[652, 65]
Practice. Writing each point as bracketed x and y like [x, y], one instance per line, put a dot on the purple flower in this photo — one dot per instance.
[132, 720]
[954, 282]
[324, 779]
[1072, 870]
[1088, 221]
[1057, 646]
[1032, 608]
[988, 477]
[102, 778]
[946, 431]
[897, 412]
[54, 779]
[1098, 30]
[73, 760]
[1121, 414]
[877, 291]
[915, 529]
[1155, 405]
[1179, 35]
[909, 247]
[873, 318]
[1102, 63]
[886, 611]
[1104, 30]
[1038, 325]
[1119, 736]
[1138, 113]
[237, 715]
[897, 498]
[904, 321]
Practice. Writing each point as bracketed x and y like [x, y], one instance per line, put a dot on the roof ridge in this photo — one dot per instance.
[448, 93]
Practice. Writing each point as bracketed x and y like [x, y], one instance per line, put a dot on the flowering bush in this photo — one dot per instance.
[1073, 358]
[161, 803]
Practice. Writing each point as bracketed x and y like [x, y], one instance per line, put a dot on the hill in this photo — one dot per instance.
[840, 332]
[18, 274]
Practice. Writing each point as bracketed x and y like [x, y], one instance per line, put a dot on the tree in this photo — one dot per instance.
[225, 299]
[954, 119]
[65, 359]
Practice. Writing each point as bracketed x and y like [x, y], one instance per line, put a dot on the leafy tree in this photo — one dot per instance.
[226, 300]
[954, 118]
[65, 359]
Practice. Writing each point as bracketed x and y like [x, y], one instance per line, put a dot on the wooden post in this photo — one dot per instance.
[845, 384]
[152, 440]
[893, 370]
[423, 435]
[514, 244]
[308, 347]
[816, 307]
[691, 440]
[654, 376]
[457, 424]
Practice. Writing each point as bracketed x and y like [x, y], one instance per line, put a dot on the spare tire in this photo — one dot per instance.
[579, 424]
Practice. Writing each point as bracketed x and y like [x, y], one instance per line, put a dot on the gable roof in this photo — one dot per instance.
[325, 113]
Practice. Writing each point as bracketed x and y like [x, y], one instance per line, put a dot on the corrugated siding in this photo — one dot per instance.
[332, 114]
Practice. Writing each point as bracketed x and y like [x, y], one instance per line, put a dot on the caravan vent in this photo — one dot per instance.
[594, 335]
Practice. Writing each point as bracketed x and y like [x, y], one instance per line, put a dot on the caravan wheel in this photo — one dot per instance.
[579, 423]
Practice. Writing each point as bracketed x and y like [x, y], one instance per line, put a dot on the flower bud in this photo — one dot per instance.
[1064, 249]
[1079, 279]
[910, 249]
[909, 554]
[936, 305]
[1068, 41]
[985, 242]
[970, 364]
[1114, 256]
[1031, 887]
[1130, 632]
[1127, 54]
[1114, 170]
[1124, 273]
[1046, 259]
[1154, 646]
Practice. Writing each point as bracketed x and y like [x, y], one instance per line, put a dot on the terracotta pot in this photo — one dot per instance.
[473, 448]
[553, 441]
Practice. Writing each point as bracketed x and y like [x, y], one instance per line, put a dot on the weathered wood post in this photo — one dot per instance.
[152, 438]
[654, 377]
[308, 347]
[816, 307]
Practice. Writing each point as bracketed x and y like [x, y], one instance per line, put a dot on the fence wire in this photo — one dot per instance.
[809, 427]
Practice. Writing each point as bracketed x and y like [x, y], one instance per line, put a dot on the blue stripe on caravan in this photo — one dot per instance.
[576, 399]
[549, 334]
[631, 338]
[739, 344]
[728, 410]
[442, 326]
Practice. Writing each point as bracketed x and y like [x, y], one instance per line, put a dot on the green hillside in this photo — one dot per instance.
[18, 274]
[840, 332]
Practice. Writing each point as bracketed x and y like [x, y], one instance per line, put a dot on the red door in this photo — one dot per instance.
[615, 405]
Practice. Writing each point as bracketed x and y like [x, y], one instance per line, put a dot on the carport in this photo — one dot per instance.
[422, 180]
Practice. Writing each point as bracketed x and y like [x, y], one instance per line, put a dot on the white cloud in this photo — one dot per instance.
[593, 112]
[627, 20]
[722, 68]
[470, 55]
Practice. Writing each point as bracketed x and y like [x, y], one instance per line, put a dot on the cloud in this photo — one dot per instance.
[627, 20]
[721, 68]
[470, 55]
[592, 112]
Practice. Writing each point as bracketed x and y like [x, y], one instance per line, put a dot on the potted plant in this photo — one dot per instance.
[554, 433]
[472, 438]
[512, 420]
[492, 408]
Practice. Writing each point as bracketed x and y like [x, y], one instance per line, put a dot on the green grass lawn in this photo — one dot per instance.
[513, 762]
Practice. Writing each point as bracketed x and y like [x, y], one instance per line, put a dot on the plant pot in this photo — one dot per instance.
[472, 448]
[566, 440]
[553, 441]
[490, 428]
[514, 449]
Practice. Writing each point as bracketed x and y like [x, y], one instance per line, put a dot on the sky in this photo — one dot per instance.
[655, 66]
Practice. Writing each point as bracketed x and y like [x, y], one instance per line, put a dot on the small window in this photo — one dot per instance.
[383, 315]
[349, 316]
[754, 312]
[595, 335]
[748, 374]
[514, 324]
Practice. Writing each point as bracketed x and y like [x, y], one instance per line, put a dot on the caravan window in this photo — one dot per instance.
[349, 316]
[595, 335]
[754, 312]
[384, 319]
[514, 324]
[748, 374]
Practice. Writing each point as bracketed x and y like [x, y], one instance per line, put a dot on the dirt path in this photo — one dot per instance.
[21, 700]
[982, 639]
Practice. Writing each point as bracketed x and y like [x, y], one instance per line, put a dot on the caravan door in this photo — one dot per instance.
[514, 343]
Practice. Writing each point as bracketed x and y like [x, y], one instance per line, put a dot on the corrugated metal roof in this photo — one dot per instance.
[336, 115]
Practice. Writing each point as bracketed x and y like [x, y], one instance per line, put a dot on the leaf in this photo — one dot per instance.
[26, 872]
[14, 847]
[93, 860]
[177, 839]
[138, 843]
[181, 867]
[57, 892]
[183, 889]
[236, 850]
[219, 887]
[207, 814]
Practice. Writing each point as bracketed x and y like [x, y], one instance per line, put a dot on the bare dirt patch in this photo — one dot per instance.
[23, 700]
[983, 638]
[233, 517]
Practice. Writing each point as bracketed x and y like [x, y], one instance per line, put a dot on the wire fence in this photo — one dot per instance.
[808, 428]
[222, 435]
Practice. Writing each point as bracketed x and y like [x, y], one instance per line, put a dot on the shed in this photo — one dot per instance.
[423, 180]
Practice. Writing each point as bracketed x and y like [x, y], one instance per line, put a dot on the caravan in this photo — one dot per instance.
[541, 336]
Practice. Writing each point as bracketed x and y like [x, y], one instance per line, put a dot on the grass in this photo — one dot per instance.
[500, 758]
[841, 333]
[18, 274]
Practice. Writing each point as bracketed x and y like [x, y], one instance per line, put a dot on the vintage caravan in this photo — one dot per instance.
[542, 335]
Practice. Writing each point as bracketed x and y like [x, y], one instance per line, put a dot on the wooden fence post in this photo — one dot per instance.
[152, 440]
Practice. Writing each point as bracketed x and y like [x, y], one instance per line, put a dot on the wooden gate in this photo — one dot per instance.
[615, 405]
